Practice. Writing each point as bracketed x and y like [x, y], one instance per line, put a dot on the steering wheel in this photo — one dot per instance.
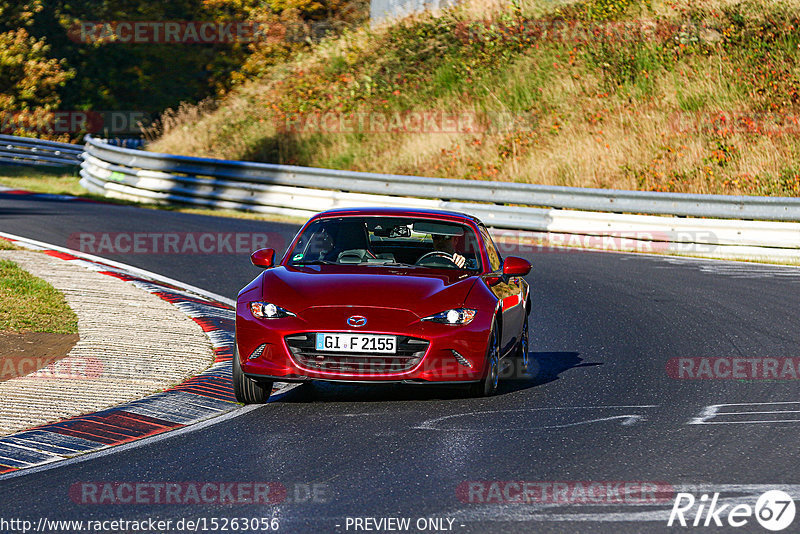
[445, 255]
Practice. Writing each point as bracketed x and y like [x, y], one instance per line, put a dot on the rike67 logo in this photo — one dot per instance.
[774, 510]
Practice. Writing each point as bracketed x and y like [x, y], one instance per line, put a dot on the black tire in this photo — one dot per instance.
[522, 355]
[247, 390]
[488, 385]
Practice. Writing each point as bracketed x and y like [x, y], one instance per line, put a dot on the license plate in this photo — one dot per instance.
[356, 343]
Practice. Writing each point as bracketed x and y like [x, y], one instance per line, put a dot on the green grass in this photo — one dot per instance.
[58, 182]
[29, 304]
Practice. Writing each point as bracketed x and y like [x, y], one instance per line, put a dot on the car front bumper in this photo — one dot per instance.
[453, 353]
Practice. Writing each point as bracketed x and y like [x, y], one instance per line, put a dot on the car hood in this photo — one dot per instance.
[421, 291]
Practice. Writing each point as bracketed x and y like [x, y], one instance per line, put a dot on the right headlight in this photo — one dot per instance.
[456, 316]
[268, 310]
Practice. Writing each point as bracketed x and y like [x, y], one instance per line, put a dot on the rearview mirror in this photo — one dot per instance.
[428, 227]
[513, 266]
[262, 257]
[400, 231]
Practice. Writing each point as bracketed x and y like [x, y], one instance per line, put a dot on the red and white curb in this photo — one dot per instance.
[198, 399]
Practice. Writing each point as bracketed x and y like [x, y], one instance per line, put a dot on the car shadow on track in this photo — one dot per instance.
[342, 392]
[544, 367]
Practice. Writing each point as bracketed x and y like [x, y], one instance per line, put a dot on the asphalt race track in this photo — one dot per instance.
[602, 406]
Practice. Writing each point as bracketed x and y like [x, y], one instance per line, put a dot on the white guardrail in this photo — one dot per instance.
[734, 227]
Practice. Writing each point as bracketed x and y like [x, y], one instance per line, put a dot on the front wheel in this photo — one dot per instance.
[247, 390]
[488, 385]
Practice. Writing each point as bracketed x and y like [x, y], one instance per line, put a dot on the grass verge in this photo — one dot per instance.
[41, 180]
[29, 304]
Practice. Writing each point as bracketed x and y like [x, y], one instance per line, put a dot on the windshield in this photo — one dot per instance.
[417, 242]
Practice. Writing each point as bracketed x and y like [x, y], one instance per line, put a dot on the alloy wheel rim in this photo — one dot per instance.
[495, 375]
[525, 356]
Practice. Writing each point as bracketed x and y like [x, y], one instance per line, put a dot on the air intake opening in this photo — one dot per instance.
[461, 359]
[257, 353]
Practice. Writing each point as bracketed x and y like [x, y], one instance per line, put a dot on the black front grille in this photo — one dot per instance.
[409, 353]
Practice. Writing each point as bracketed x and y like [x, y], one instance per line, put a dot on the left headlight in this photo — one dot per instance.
[453, 317]
[267, 310]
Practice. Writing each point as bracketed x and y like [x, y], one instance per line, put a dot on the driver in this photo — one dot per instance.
[446, 243]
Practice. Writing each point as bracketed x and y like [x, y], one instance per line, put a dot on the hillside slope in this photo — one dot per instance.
[673, 95]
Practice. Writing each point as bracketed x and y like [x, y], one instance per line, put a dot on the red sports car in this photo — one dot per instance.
[382, 295]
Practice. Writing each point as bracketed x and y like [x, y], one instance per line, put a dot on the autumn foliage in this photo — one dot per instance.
[698, 96]
[45, 65]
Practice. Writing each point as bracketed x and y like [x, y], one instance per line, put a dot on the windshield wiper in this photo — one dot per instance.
[395, 264]
[314, 262]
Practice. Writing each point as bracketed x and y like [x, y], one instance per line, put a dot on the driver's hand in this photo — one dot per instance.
[459, 260]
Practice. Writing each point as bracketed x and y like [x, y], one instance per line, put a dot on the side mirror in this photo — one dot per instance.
[263, 257]
[513, 266]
